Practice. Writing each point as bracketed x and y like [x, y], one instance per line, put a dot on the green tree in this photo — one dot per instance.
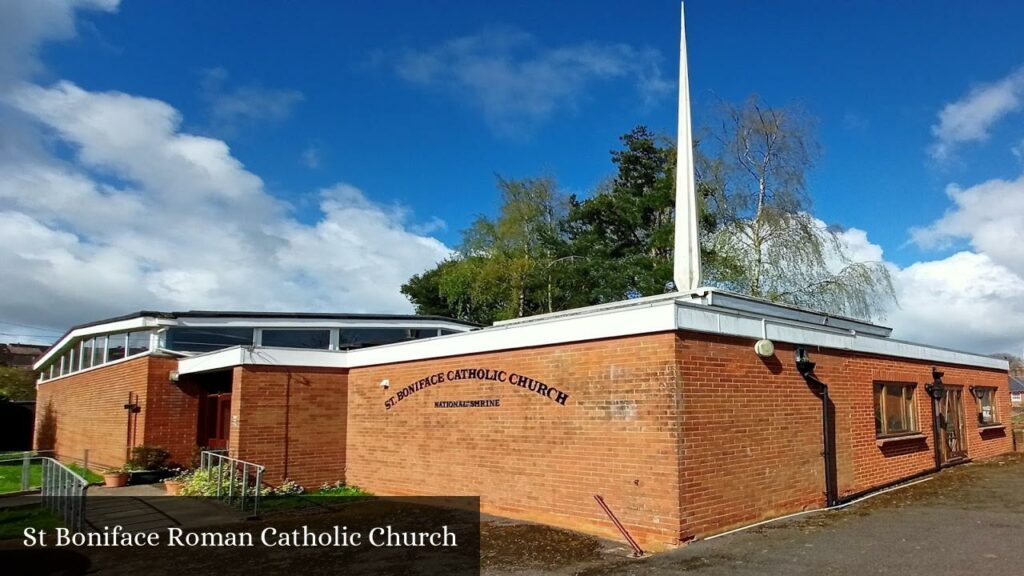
[756, 173]
[17, 383]
[624, 232]
[503, 267]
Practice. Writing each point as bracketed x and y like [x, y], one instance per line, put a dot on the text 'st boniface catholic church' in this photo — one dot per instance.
[690, 412]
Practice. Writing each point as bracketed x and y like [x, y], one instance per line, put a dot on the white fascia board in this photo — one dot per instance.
[585, 310]
[108, 328]
[217, 360]
[298, 323]
[699, 318]
[642, 318]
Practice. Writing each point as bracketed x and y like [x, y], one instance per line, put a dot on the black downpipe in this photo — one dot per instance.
[806, 369]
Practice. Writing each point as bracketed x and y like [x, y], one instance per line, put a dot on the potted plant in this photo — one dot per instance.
[116, 477]
[173, 484]
[148, 464]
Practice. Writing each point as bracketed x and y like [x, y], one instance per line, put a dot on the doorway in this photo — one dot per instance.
[952, 429]
[215, 410]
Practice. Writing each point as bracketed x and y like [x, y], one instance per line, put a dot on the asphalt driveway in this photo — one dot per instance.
[965, 520]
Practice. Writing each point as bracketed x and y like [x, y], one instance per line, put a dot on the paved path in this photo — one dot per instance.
[966, 520]
[143, 508]
[147, 507]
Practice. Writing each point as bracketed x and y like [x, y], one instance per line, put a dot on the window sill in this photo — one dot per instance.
[988, 427]
[902, 438]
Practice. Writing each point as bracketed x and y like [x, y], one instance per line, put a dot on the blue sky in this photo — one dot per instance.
[350, 143]
[873, 73]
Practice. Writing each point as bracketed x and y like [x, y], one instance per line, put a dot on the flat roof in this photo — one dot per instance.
[708, 312]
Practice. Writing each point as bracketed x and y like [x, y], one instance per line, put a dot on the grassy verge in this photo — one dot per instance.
[323, 496]
[13, 521]
[10, 476]
[90, 476]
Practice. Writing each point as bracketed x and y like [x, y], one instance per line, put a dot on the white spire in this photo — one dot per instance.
[686, 265]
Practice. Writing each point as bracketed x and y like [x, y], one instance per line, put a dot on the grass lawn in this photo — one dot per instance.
[13, 521]
[90, 476]
[10, 476]
[10, 473]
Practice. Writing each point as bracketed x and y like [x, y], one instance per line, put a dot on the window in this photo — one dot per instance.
[116, 346]
[87, 353]
[203, 339]
[99, 348]
[320, 339]
[894, 409]
[138, 343]
[72, 361]
[987, 415]
[360, 337]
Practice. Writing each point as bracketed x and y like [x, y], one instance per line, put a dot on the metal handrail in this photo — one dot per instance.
[238, 489]
[63, 492]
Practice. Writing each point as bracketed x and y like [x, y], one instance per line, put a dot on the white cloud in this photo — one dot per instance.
[27, 24]
[989, 215]
[970, 118]
[144, 215]
[231, 109]
[519, 84]
[965, 301]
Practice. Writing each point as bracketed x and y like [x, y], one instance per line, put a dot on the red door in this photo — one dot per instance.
[215, 425]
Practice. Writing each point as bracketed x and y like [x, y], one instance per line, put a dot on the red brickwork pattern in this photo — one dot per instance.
[171, 412]
[88, 410]
[291, 420]
[531, 457]
[752, 440]
[751, 437]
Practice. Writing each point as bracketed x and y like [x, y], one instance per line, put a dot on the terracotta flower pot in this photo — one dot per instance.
[115, 479]
[172, 487]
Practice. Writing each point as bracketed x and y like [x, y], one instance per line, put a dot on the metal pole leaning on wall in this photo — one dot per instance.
[637, 551]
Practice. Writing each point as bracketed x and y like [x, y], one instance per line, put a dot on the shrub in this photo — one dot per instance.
[287, 488]
[148, 457]
[339, 488]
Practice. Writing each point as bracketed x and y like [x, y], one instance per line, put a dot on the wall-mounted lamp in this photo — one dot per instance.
[764, 348]
[936, 389]
[977, 391]
[173, 376]
[385, 384]
[803, 361]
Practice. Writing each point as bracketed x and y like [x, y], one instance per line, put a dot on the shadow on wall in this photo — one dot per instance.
[46, 438]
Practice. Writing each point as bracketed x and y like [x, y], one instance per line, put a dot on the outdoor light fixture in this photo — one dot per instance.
[764, 348]
[977, 392]
[936, 389]
[173, 376]
[385, 383]
[803, 361]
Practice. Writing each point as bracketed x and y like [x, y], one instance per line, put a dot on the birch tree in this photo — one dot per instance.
[757, 167]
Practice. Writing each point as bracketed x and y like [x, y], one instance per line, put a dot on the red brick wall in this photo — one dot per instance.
[172, 410]
[291, 420]
[751, 436]
[616, 435]
[751, 442]
[88, 409]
